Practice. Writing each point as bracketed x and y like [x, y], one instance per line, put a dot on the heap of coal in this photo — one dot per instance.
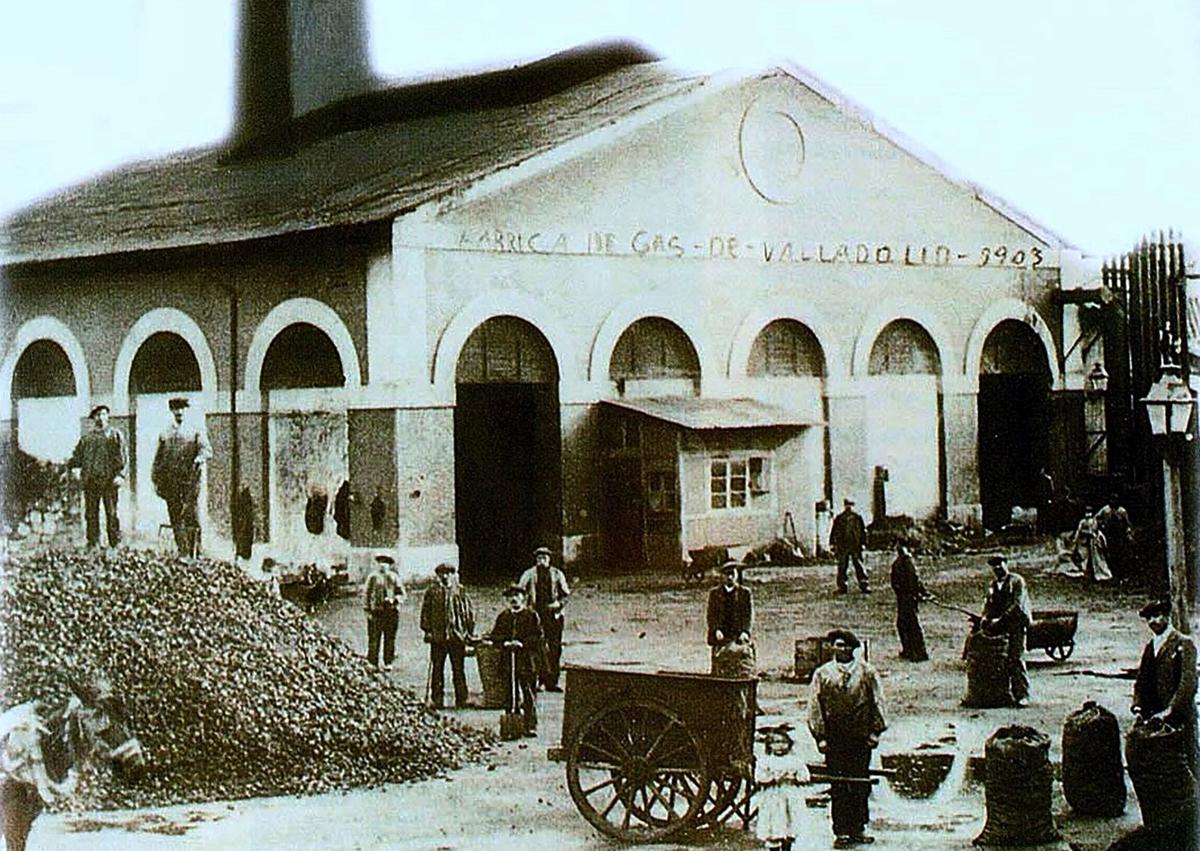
[232, 692]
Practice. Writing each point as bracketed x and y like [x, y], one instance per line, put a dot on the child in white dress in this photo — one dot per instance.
[779, 776]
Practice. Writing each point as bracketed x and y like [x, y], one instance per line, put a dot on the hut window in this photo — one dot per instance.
[738, 482]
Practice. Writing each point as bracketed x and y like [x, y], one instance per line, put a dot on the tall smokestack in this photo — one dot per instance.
[296, 56]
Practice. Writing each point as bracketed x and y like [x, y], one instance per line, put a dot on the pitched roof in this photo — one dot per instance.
[372, 172]
[703, 414]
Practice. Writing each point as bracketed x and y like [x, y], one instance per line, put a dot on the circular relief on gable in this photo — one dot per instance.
[771, 151]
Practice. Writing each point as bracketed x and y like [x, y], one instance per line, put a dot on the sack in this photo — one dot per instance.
[1156, 755]
[1093, 777]
[1017, 788]
[987, 671]
[735, 661]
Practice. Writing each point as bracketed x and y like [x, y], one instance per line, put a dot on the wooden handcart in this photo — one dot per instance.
[651, 754]
[1053, 630]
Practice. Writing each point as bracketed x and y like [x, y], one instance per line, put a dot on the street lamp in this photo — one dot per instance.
[1169, 406]
[1097, 379]
[1095, 386]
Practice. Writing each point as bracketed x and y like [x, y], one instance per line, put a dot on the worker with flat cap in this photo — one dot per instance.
[846, 719]
[448, 622]
[848, 539]
[178, 464]
[730, 615]
[381, 602]
[1007, 611]
[546, 592]
[518, 633]
[99, 461]
[1165, 688]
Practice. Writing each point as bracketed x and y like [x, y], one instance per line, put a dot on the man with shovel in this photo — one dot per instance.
[845, 717]
[518, 632]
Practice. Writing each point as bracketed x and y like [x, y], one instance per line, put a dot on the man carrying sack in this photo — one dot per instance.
[1008, 612]
[730, 616]
[845, 717]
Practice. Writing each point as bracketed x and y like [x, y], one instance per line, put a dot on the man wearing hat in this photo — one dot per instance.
[847, 538]
[845, 717]
[546, 591]
[99, 460]
[730, 611]
[518, 633]
[1008, 611]
[448, 621]
[381, 601]
[1165, 687]
[178, 463]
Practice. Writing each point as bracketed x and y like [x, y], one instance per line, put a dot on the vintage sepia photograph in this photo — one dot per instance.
[632, 425]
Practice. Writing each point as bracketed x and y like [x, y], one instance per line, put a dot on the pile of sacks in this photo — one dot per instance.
[232, 691]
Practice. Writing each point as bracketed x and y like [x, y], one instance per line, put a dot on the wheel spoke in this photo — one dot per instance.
[661, 736]
[616, 797]
[609, 782]
[671, 814]
[680, 748]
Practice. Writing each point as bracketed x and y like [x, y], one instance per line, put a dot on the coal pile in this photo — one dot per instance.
[233, 692]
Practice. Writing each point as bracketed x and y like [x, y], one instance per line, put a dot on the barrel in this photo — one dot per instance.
[488, 657]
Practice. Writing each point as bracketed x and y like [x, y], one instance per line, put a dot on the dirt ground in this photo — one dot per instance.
[518, 799]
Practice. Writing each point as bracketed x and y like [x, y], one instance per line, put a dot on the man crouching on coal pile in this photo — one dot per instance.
[845, 717]
[518, 632]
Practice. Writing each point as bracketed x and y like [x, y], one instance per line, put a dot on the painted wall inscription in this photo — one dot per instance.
[730, 246]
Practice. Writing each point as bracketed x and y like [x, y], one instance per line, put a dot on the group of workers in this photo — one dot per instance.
[528, 630]
[100, 461]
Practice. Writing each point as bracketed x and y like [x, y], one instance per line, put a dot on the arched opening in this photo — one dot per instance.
[904, 423]
[786, 348]
[507, 449]
[308, 440]
[1014, 416]
[301, 356]
[163, 366]
[44, 404]
[654, 357]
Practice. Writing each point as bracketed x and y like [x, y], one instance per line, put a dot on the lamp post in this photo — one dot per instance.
[1169, 405]
[1095, 386]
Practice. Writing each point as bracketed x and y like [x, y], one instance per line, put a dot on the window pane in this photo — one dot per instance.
[719, 468]
[737, 499]
[718, 500]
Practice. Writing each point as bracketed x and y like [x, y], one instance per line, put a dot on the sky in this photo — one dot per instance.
[1083, 114]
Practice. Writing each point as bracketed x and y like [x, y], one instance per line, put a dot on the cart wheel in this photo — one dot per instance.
[722, 797]
[636, 773]
[1061, 652]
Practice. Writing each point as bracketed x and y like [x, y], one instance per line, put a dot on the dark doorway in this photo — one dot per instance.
[508, 494]
[1014, 421]
[507, 450]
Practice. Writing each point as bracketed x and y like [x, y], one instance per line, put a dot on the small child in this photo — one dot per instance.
[780, 802]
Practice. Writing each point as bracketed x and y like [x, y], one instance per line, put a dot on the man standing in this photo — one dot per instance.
[178, 462]
[848, 537]
[381, 601]
[519, 633]
[99, 460]
[730, 611]
[546, 591]
[845, 717]
[1165, 687]
[448, 621]
[1008, 612]
[910, 591]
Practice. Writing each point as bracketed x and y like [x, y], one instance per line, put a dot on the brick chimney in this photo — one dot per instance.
[294, 57]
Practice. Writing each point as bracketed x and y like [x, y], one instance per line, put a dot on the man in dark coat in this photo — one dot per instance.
[1165, 687]
[730, 611]
[178, 462]
[845, 717]
[1007, 611]
[848, 538]
[910, 591]
[518, 632]
[100, 457]
[448, 621]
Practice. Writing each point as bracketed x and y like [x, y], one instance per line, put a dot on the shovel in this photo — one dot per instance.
[512, 722]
